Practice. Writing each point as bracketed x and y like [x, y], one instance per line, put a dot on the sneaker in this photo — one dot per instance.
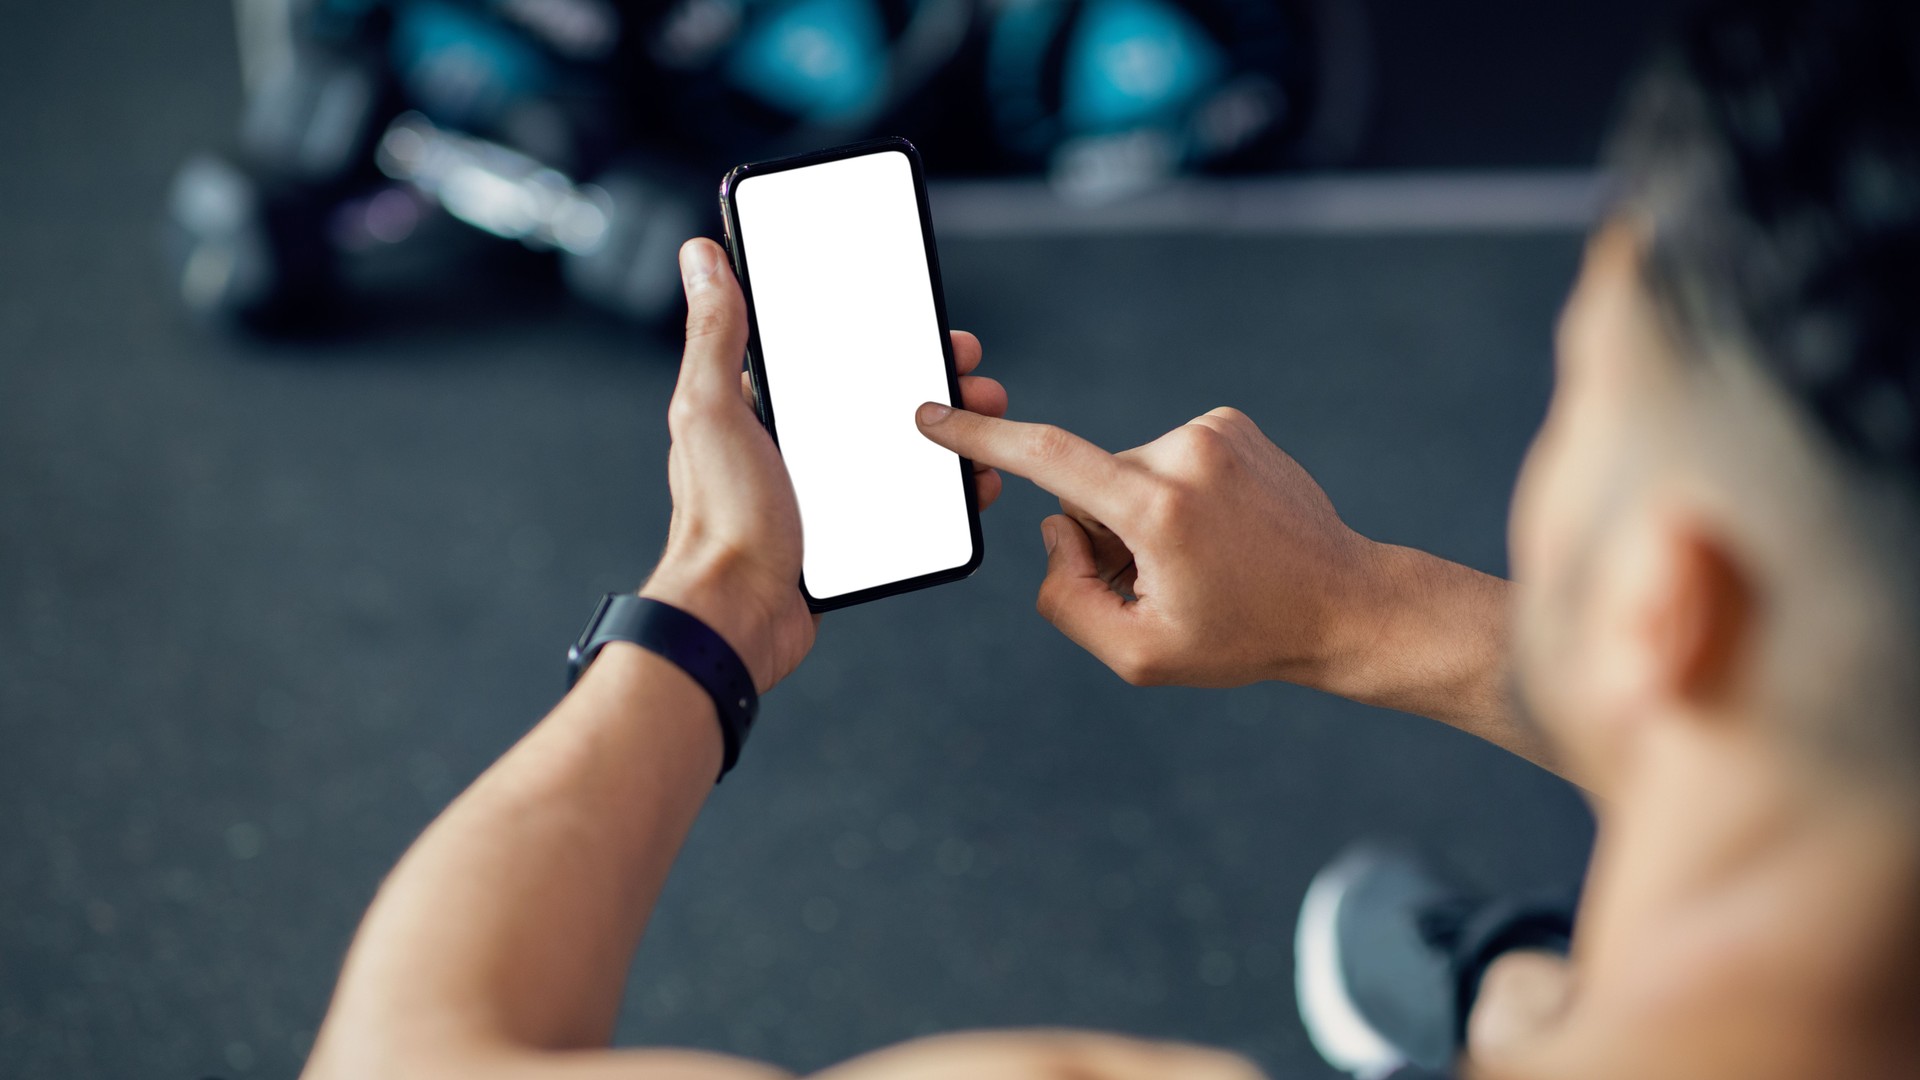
[1388, 958]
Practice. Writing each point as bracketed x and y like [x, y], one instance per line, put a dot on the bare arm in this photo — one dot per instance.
[507, 930]
[1209, 557]
[504, 936]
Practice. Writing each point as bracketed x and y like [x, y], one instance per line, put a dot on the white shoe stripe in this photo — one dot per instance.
[1334, 1023]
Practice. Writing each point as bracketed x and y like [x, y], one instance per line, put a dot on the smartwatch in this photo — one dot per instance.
[687, 643]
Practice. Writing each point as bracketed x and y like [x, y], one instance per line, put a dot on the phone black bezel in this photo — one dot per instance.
[756, 369]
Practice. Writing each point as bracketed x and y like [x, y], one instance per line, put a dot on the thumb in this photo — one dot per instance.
[716, 325]
[1074, 597]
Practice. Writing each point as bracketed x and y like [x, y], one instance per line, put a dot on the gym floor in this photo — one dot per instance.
[265, 607]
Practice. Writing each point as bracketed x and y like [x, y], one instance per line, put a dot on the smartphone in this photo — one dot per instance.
[847, 337]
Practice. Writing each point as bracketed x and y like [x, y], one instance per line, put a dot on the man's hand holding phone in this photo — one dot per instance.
[733, 548]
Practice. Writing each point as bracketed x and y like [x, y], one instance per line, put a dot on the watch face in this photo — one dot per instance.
[577, 652]
[586, 635]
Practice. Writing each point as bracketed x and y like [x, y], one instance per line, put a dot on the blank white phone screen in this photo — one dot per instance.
[851, 347]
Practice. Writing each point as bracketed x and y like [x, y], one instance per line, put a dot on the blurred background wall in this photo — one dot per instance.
[306, 483]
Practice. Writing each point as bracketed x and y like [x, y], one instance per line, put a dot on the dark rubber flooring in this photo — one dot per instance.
[265, 607]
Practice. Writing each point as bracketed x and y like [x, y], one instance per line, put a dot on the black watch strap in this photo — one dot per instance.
[686, 642]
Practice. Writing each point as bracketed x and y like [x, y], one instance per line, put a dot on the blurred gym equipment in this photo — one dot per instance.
[1115, 96]
[594, 128]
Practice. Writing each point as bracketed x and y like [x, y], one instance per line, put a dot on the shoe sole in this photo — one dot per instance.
[1335, 1025]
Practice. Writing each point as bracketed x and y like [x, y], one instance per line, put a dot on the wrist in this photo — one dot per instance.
[720, 596]
[1356, 611]
[682, 712]
[1423, 634]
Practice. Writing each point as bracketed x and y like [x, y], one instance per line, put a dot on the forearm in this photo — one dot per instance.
[511, 922]
[1436, 643]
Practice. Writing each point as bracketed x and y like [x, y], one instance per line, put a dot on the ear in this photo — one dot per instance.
[1702, 629]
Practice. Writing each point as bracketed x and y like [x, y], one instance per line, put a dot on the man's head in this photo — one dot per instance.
[1719, 523]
